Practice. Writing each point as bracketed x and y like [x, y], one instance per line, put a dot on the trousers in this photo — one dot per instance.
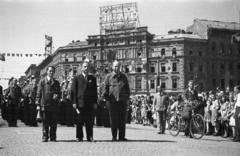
[117, 112]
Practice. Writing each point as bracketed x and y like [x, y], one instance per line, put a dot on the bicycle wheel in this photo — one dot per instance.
[174, 124]
[197, 126]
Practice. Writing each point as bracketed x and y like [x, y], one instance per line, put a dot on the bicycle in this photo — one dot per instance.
[177, 124]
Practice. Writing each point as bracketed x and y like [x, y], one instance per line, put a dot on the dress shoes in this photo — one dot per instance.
[53, 140]
[208, 133]
[79, 139]
[114, 139]
[45, 140]
[123, 139]
[90, 140]
[159, 132]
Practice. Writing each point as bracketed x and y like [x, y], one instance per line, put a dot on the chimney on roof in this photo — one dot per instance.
[78, 40]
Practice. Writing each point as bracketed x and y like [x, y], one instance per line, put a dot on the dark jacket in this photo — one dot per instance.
[45, 93]
[14, 94]
[116, 87]
[190, 95]
[84, 91]
[32, 94]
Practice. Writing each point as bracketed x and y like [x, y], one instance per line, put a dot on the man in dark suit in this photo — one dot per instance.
[117, 92]
[189, 95]
[14, 95]
[84, 89]
[48, 94]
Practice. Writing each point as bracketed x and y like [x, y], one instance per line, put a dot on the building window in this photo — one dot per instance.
[126, 69]
[139, 54]
[174, 67]
[74, 57]
[201, 86]
[94, 57]
[214, 83]
[163, 52]
[152, 68]
[139, 82]
[222, 68]
[213, 47]
[174, 83]
[230, 49]
[231, 84]
[231, 69]
[174, 52]
[126, 54]
[213, 68]
[200, 53]
[163, 68]
[152, 84]
[222, 48]
[222, 83]
[95, 44]
[75, 71]
[200, 68]
[191, 67]
[190, 53]
[83, 58]
[163, 83]
[139, 68]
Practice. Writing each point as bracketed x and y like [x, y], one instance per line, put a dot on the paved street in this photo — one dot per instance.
[144, 140]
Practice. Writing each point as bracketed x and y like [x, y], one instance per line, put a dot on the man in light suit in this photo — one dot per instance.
[85, 97]
[160, 104]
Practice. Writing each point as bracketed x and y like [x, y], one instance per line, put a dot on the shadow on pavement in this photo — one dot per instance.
[135, 141]
[66, 140]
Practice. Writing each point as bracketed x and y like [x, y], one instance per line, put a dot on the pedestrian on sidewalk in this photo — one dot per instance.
[48, 95]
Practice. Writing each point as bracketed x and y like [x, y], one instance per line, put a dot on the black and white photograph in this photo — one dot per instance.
[119, 77]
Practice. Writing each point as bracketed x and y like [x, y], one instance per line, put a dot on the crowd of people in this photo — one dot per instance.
[80, 101]
[220, 111]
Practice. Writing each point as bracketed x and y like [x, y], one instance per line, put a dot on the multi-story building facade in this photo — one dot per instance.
[148, 60]
[32, 70]
[172, 58]
[223, 58]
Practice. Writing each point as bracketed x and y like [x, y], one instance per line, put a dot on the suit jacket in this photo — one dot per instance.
[45, 93]
[14, 94]
[190, 95]
[160, 100]
[116, 87]
[84, 91]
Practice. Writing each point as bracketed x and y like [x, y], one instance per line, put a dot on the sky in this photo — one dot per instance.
[24, 23]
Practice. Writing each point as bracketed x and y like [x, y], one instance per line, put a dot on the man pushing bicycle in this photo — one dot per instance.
[189, 96]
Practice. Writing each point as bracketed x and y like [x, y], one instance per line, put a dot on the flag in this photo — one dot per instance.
[48, 41]
[235, 38]
[36, 54]
[8, 54]
[21, 55]
[39, 54]
[30, 55]
[13, 55]
[17, 55]
[2, 57]
[26, 55]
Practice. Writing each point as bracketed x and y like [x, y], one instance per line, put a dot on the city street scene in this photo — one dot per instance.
[119, 77]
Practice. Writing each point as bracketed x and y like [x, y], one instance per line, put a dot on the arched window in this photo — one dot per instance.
[163, 52]
[174, 52]
[213, 46]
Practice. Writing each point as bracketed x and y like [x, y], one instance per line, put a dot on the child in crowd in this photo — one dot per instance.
[224, 112]
[214, 115]
[230, 114]
[207, 114]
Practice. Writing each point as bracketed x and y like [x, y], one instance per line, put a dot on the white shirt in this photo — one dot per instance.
[238, 100]
[49, 79]
[84, 75]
